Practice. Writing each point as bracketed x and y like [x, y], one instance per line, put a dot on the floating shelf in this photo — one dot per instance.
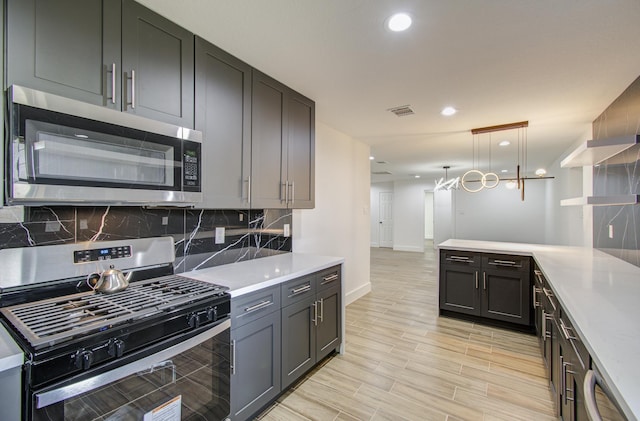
[593, 152]
[622, 199]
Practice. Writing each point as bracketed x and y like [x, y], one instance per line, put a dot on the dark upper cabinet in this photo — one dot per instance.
[267, 143]
[157, 66]
[65, 47]
[300, 151]
[283, 146]
[114, 53]
[223, 114]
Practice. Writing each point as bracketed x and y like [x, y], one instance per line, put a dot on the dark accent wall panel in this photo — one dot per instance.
[619, 176]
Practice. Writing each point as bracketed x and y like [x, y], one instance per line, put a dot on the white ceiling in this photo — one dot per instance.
[556, 63]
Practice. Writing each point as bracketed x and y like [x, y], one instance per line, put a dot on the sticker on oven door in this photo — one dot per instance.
[168, 411]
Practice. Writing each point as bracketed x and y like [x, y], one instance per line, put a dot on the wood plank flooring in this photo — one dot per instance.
[404, 362]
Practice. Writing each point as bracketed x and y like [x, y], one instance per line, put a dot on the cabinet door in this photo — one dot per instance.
[157, 61]
[223, 114]
[506, 295]
[65, 47]
[298, 340]
[255, 373]
[459, 289]
[268, 169]
[300, 151]
[329, 328]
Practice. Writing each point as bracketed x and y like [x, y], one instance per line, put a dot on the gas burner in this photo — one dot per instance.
[52, 321]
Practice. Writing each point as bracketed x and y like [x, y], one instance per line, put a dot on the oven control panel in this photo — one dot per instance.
[107, 253]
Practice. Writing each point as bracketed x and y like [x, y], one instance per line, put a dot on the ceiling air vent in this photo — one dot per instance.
[402, 111]
[380, 172]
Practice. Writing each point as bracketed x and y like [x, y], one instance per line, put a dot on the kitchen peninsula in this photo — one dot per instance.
[599, 295]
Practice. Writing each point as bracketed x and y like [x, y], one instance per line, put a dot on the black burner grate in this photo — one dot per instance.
[47, 322]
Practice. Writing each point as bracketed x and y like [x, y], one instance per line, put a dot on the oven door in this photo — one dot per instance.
[189, 380]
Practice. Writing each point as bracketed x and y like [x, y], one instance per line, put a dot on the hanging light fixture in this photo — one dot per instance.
[446, 183]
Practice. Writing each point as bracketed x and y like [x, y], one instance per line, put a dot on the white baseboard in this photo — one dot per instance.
[361, 291]
[409, 248]
[375, 245]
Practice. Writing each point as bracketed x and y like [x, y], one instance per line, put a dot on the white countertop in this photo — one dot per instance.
[601, 295]
[252, 275]
[11, 355]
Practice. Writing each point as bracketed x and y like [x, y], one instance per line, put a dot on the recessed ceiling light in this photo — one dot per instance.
[416, 176]
[504, 143]
[371, 158]
[511, 185]
[447, 111]
[399, 22]
[504, 171]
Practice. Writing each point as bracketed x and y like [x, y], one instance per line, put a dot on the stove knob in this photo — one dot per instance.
[194, 320]
[83, 359]
[116, 348]
[212, 314]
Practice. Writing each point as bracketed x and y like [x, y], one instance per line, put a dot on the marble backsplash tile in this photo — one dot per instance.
[248, 234]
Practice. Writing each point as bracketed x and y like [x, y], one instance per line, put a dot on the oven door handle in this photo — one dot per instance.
[60, 394]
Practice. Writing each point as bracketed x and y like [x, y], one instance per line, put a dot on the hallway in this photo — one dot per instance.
[404, 362]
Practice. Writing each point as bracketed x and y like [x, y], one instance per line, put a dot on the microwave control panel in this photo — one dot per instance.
[108, 253]
[191, 168]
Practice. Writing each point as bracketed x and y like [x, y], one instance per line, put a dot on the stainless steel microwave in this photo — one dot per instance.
[63, 151]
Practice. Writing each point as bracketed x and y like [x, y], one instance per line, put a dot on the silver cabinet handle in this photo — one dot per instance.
[484, 280]
[565, 331]
[113, 83]
[293, 192]
[233, 357]
[476, 279]
[258, 306]
[565, 388]
[505, 263]
[133, 89]
[321, 309]
[248, 182]
[300, 290]
[314, 319]
[459, 259]
[543, 320]
[283, 192]
[536, 290]
[328, 279]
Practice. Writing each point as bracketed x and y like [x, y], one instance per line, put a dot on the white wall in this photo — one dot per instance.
[428, 215]
[340, 223]
[376, 189]
[500, 215]
[443, 216]
[408, 215]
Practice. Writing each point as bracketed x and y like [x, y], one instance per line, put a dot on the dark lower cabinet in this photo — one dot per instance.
[311, 326]
[278, 334]
[255, 373]
[490, 286]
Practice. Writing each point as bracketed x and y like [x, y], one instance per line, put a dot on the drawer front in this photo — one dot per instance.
[252, 306]
[507, 262]
[567, 331]
[298, 289]
[328, 278]
[463, 258]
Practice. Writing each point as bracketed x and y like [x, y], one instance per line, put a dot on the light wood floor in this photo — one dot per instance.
[404, 362]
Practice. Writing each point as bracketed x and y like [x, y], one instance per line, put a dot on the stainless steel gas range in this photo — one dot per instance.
[158, 349]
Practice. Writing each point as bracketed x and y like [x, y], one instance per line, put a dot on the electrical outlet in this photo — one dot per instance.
[51, 226]
[241, 217]
[84, 224]
[610, 231]
[219, 235]
[287, 230]
[165, 220]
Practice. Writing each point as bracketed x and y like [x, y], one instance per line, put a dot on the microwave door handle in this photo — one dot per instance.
[50, 397]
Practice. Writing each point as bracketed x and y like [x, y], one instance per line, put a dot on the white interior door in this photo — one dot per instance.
[386, 219]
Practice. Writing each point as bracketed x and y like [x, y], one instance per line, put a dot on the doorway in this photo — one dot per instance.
[385, 213]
